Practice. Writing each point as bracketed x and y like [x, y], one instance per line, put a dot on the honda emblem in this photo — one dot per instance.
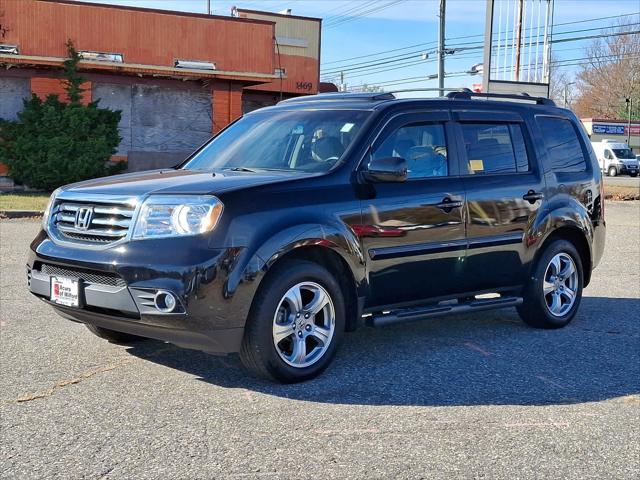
[83, 218]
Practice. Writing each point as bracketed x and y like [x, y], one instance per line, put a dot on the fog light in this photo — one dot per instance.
[165, 301]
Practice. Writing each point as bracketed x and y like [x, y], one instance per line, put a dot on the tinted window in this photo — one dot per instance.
[495, 148]
[298, 140]
[423, 146]
[624, 153]
[564, 149]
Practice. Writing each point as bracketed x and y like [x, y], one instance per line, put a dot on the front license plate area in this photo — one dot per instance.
[65, 291]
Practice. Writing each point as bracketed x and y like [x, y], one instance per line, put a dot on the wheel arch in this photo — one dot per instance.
[335, 248]
[576, 232]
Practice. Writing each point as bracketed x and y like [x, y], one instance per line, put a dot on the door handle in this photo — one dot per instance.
[532, 196]
[448, 204]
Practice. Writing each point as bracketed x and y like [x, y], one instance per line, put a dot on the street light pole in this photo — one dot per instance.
[566, 101]
[630, 104]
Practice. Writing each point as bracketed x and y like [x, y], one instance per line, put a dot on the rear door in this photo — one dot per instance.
[505, 189]
[413, 232]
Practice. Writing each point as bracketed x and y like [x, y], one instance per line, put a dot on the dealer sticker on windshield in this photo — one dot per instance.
[64, 291]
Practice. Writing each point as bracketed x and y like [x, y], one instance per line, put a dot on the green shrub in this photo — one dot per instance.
[55, 142]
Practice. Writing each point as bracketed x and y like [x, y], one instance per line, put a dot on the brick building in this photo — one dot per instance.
[177, 77]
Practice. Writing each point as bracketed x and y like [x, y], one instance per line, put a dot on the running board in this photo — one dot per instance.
[421, 313]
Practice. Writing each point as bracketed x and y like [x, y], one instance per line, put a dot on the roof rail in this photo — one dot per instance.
[409, 90]
[468, 95]
[323, 97]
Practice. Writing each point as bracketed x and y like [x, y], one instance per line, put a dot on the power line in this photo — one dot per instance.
[362, 13]
[565, 62]
[469, 46]
[469, 36]
[345, 13]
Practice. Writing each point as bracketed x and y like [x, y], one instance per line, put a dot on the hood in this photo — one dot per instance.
[196, 182]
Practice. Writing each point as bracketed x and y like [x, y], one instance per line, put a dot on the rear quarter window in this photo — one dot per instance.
[564, 151]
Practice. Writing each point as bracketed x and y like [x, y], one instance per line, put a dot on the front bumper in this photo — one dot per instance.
[625, 169]
[213, 290]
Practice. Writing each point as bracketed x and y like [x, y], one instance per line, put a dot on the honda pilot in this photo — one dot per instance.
[303, 221]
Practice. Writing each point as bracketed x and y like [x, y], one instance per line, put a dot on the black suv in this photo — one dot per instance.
[302, 221]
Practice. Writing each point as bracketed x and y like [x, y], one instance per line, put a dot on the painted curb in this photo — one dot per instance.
[20, 213]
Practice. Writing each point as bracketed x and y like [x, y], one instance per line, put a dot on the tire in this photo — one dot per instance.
[634, 174]
[276, 310]
[114, 337]
[612, 172]
[542, 310]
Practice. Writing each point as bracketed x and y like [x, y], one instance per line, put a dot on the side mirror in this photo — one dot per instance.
[390, 169]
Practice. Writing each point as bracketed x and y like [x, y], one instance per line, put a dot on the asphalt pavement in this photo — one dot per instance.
[623, 181]
[474, 396]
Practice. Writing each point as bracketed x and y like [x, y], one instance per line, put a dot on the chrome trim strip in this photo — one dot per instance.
[97, 233]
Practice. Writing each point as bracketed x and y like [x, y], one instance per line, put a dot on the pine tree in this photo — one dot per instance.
[56, 142]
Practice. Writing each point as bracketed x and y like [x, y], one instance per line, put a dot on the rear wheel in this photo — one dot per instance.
[552, 298]
[613, 171]
[113, 336]
[296, 323]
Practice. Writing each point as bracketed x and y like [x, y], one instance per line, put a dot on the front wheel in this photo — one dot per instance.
[613, 171]
[295, 324]
[553, 296]
[634, 174]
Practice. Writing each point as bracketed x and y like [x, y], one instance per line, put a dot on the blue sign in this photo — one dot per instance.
[608, 129]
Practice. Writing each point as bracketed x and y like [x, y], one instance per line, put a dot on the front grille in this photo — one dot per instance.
[92, 223]
[101, 278]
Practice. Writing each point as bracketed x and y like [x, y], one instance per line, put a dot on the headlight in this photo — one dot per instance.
[47, 210]
[177, 215]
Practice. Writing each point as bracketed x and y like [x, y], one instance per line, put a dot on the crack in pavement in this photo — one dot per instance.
[72, 381]
[86, 375]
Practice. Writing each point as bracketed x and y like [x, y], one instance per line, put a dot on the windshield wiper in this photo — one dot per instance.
[240, 169]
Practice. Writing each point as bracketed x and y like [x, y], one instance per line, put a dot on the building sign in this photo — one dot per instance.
[613, 129]
[307, 86]
[608, 129]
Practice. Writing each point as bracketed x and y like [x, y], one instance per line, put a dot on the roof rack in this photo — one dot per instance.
[409, 90]
[459, 93]
[322, 97]
[468, 95]
[367, 96]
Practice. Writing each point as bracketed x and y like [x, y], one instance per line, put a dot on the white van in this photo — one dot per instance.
[615, 158]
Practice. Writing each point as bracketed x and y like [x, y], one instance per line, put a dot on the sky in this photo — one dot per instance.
[398, 24]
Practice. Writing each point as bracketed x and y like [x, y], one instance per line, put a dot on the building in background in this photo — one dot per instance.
[618, 130]
[296, 58]
[177, 77]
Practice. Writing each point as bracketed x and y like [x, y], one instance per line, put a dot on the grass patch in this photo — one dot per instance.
[23, 201]
[618, 192]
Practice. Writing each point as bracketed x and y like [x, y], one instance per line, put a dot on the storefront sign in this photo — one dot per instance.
[613, 129]
[608, 129]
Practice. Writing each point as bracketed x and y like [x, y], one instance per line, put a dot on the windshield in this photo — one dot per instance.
[624, 153]
[298, 140]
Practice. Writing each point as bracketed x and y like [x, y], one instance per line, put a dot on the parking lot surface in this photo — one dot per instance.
[623, 181]
[475, 396]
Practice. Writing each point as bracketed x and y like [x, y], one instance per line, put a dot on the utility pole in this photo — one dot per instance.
[441, 48]
[519, 39]
[208, 7]
[630, 104]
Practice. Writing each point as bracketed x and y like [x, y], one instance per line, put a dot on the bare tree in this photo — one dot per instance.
[560, 83]
[611, 74]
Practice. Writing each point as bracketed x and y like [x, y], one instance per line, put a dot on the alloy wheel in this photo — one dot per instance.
[560, 284]
[303, 324]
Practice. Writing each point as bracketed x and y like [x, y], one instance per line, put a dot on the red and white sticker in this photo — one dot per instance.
[64, 291]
